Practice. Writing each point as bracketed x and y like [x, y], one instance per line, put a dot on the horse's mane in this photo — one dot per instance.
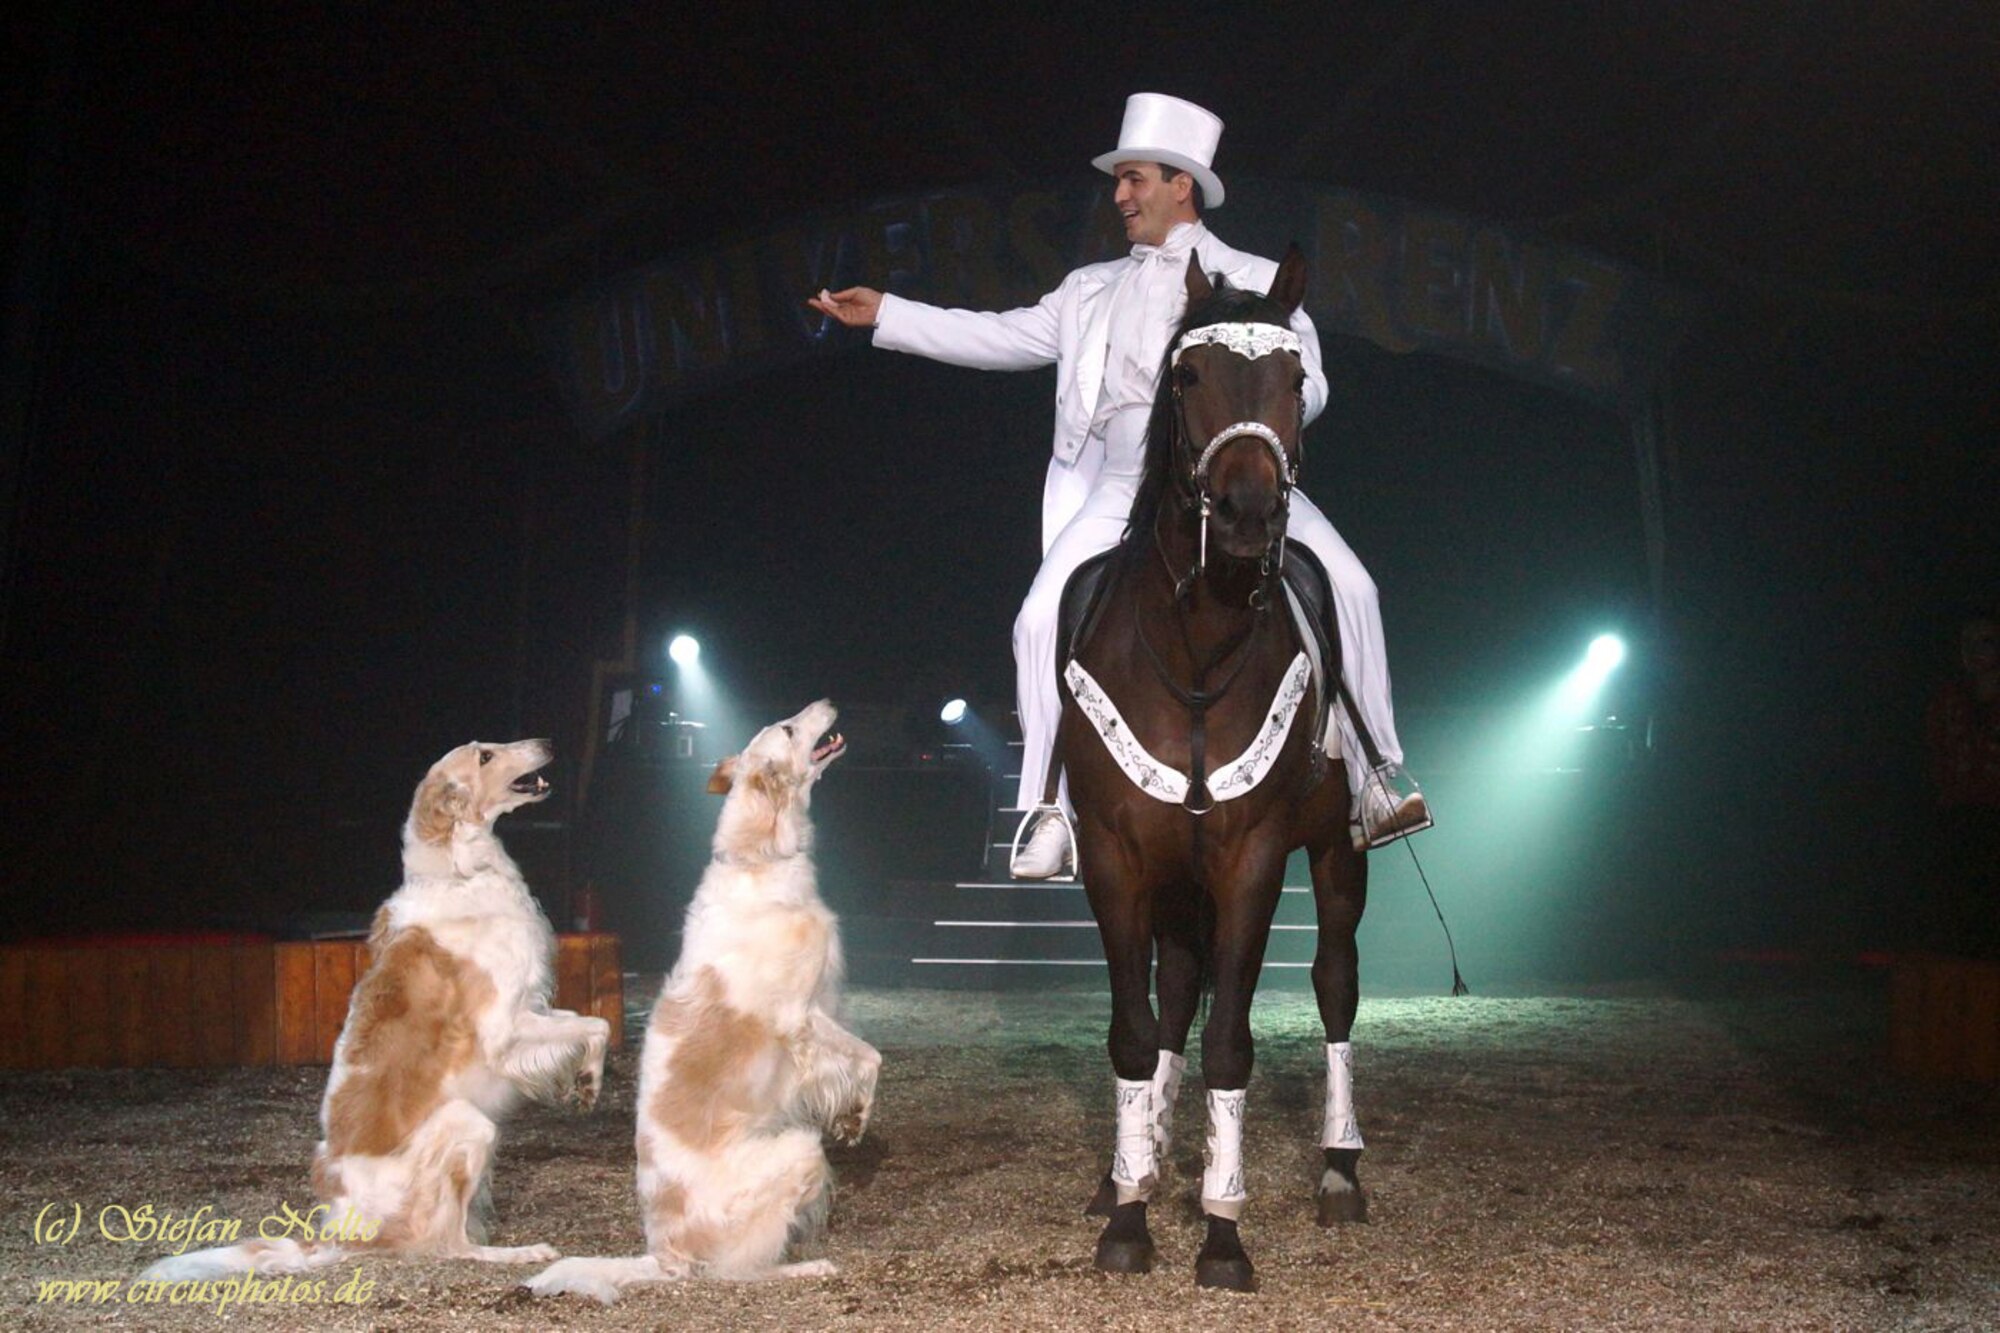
[1226, 305]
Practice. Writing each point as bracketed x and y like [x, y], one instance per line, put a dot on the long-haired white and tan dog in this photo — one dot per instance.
[745, 1066]
[448, 1029]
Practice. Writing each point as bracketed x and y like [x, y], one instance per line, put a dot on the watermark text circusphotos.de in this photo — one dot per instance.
[221, 1293]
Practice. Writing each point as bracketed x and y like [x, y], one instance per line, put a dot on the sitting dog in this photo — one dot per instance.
[447, 1030]
[744, 1064]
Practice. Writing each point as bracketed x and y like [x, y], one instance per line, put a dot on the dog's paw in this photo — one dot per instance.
[581, 1094]
[571, 1277]
[508, 1254]
[813, 1268]
[850, 1125]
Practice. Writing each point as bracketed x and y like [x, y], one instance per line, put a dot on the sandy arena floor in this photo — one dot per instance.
[1589, 1161]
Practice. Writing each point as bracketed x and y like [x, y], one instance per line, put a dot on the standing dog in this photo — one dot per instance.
[744, 1064]
[449, 1028]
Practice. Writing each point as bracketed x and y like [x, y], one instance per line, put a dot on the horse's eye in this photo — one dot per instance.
[485, 758]
[1184, 375]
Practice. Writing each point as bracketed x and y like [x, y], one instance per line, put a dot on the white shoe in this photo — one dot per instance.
[1050, 849]
[1390, 807]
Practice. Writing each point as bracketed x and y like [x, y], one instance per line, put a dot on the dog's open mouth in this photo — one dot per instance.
[530, 784]
[829, 748]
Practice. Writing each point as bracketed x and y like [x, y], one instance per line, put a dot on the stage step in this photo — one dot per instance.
[996, 931]
[1006, 932]
[1015, 899]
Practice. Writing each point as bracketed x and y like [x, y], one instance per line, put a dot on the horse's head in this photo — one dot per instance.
[1238, 388]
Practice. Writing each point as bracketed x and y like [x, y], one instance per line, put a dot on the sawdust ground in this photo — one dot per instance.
[1643, 1159]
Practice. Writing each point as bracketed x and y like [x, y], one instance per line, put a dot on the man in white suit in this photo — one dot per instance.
[1106, 328]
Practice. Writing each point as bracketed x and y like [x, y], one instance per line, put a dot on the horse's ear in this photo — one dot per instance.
[1288, 289]
[1198, 287]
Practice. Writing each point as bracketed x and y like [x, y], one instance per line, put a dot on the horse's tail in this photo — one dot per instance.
[1204, 954]
[1189, 917]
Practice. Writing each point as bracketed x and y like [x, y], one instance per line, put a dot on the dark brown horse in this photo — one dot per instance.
[1195, 765]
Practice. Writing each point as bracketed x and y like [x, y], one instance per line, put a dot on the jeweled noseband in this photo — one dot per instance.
[1249, 341]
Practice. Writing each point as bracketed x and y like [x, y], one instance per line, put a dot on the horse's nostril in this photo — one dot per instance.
[1248, 508]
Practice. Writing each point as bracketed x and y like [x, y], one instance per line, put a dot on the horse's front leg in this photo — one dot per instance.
[1122, 904]
[1246, 896]
[1340, 894]
[1177, 975]
[1177, 978]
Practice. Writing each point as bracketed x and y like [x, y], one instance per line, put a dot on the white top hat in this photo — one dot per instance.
[1159, 128]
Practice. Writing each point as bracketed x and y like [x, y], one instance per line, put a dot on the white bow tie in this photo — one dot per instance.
[1175, 247]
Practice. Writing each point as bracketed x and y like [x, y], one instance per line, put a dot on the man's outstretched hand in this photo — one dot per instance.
[856, 307]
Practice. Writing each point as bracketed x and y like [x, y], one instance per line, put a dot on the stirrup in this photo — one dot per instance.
[1386, 813]
[1021, 831]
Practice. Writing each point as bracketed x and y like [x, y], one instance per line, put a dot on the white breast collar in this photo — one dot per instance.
[1235, 778]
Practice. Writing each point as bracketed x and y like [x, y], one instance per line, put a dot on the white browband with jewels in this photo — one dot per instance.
[1249, 341]
[1167, 783]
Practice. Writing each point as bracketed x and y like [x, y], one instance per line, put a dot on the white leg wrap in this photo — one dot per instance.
[1342, 1130]
[1166, 1091]
[1222, 1192]
[1132, 1167]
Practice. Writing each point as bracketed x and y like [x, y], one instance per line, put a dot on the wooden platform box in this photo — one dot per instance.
[1944, 1018]
[221, 1000]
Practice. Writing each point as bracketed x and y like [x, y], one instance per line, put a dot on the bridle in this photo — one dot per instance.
[1250, 341]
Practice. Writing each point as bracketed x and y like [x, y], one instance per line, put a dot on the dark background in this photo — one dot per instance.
[292, 503]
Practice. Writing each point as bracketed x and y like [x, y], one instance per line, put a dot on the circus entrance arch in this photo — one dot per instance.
[1495, 421]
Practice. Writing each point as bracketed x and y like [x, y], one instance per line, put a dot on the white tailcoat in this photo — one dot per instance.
[1091, 478]
[1070, 327]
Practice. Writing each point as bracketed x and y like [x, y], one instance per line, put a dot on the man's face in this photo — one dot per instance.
[1150, 205]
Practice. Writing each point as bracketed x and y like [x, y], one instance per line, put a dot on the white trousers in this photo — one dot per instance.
[1085, 508]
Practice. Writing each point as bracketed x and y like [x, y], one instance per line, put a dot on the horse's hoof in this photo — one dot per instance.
[1106, 1198]
[1225, 1274]
[1222, 1263]
[1124, 1256]
[1341, 1206]
[1340, 1197]
[1126, 1246]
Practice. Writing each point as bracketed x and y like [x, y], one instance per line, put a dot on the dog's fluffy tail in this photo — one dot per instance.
[257, 1256]
[599, 1279]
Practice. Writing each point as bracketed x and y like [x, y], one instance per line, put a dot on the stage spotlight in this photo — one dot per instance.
[953, 712]
[1578, 690]
[684, 650]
